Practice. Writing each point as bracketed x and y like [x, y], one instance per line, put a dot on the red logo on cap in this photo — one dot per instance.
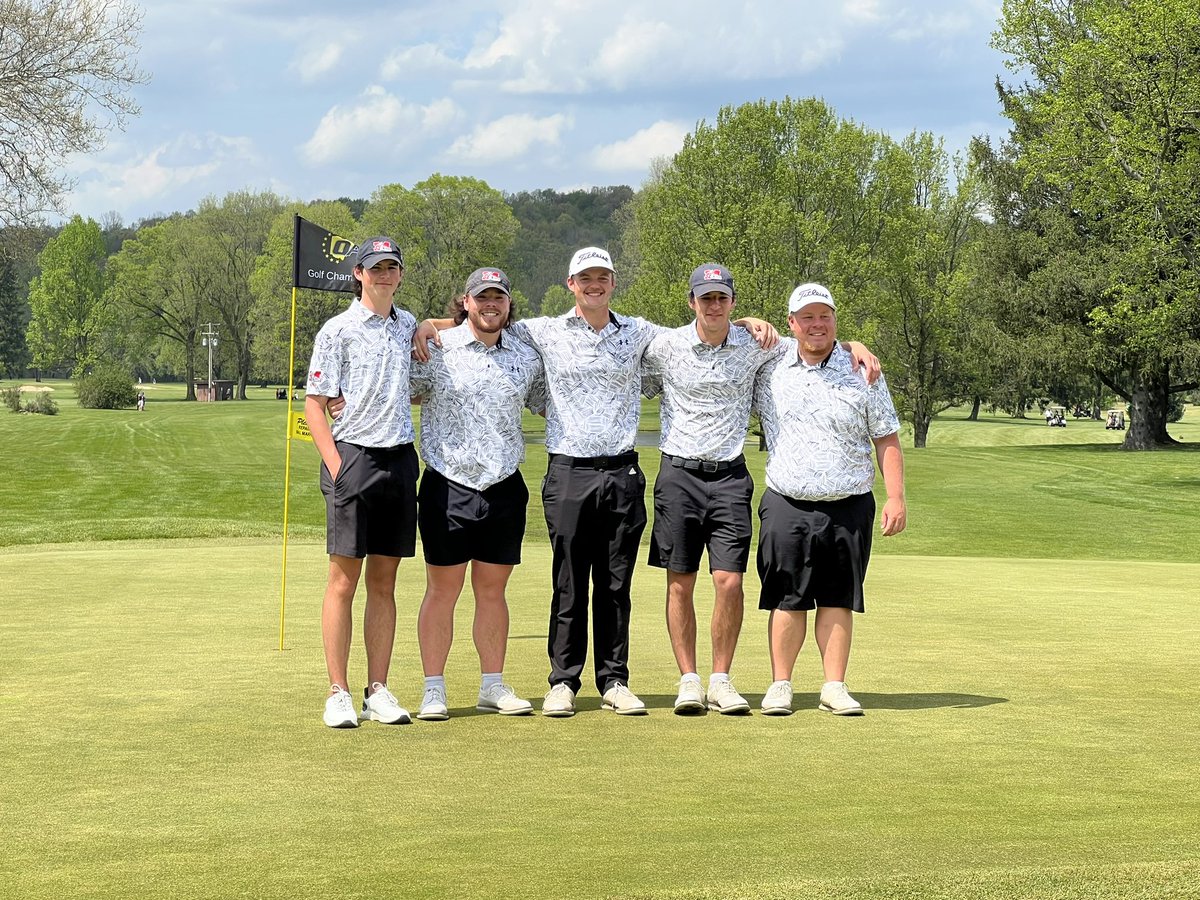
[316, 374]
[379, 246]
[489, 276]
[712, 275]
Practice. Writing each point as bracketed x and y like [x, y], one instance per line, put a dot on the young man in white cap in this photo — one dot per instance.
[594, 492]
[706, 372]
[472, 496]
[368, 475]
[821, 421]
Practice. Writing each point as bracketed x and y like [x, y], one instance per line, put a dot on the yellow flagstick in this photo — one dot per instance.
[287, 474]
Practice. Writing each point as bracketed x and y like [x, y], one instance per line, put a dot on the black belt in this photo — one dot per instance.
[595, 462]
[705, 465]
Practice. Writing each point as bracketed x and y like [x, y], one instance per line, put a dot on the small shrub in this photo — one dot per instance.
[11, 397]
[42, 403]
[106, 387]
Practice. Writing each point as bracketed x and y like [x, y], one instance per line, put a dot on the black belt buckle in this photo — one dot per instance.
[709, 466]
[601, 462]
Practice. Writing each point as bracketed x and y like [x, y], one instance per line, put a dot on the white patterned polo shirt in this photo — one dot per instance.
[366, 358]
[593, 380]
[706, 390]
[472, 399]
[819, 422]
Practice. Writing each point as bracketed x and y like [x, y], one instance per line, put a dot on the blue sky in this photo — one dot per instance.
[314, 100]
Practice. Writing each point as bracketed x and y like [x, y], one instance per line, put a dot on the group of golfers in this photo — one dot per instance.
[823, 406]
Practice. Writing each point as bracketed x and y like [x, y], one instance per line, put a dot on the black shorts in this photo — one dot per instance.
[371, 509]
[460, 524]
[814, 552]
[694, 509]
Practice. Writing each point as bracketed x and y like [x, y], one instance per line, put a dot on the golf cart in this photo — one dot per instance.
[1056, 416]
[1114, 419]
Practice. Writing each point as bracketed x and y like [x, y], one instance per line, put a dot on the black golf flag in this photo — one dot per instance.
[321, 260]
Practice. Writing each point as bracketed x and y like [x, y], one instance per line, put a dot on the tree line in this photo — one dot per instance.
[1059, 265]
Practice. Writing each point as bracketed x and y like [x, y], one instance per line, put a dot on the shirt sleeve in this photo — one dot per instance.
[652, 368]
[420, 377]
[882, 419]
[325, 366]
[535, 399]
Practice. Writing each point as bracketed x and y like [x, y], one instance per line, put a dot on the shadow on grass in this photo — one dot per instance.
[868, 700]
[922, 701]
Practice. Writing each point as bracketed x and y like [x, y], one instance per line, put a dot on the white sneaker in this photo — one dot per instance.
[381, 706]
[559, 702]
[339, 709]
[778, 699]
[433, 705]
[837, 700]
[623, 701]
[691, 697]
[500, 698]
[724, 698]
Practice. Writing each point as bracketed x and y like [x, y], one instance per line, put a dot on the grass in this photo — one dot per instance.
[1025, 663]
[998, 487]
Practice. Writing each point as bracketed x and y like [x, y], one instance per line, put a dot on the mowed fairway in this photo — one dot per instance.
[1027, 663]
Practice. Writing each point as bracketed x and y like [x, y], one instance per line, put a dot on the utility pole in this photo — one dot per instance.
[208, 338]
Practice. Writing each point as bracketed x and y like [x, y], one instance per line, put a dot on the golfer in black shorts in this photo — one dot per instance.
[472, 496]
[821, 420]
[368, 475]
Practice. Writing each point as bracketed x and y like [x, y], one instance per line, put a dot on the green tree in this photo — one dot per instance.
[161, 281]
[554, 225]
[14, 354]
[66, 69]
[446, 226]
[780, 191]
[67, 300]
[919, 313]
[232, 234]
[1106, 149]
[557, 300]
[271, 286]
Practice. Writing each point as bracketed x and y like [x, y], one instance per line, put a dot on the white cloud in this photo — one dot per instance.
[636, 152]
[315, 61]
[423, 59]
[155, 175]
[379, 122]
[537, 48]
[508, 137]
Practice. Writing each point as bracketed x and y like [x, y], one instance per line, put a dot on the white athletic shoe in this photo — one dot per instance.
[691, 697]
[339, 709]
[381, 706]
[623, 701]
[433, 705]
[559, 702]
[500, 698]
[837, 700]
[778, 699]
[724, 698]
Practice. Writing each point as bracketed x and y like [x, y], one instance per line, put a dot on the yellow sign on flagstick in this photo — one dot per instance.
[299, 429]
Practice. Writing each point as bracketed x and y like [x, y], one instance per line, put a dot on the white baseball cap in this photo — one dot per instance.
[807, 293]
[590, 258]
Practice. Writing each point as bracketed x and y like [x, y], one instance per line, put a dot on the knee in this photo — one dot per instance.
[728, 585]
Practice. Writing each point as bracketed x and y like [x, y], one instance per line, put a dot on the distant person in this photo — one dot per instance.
[473, 497]
[368, 475]
[705, 371]
[141, 401]
[821, 420]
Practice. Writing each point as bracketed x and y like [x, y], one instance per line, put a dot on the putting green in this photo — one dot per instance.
[1031, 731]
